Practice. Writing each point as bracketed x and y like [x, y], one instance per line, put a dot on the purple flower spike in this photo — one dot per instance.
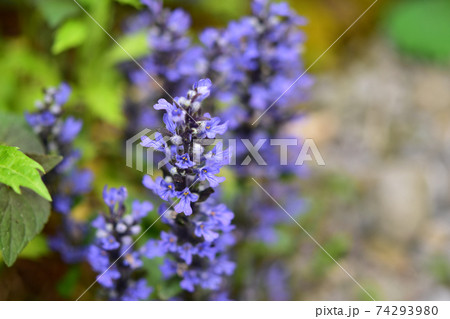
[114, 238]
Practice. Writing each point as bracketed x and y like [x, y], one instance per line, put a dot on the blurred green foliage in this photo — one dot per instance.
[337, 246]
[440, 269]
[421, 28]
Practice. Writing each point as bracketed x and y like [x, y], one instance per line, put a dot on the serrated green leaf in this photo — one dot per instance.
[14, 131]
[22, 217]
[70, 35]
[17, 169]
[55, 11]
[48, 162]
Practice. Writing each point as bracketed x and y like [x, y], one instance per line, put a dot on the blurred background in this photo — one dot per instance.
[379, 113]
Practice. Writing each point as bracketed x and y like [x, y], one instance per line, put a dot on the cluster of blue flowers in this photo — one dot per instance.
[174, 62]
[113, 255]
[66, 182]
[252, 62]
[195, 247]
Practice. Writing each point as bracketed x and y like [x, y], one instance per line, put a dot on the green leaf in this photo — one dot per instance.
[17, 169]
[36, 248]
[337, 246]
[48, 162]
[24, 72]
[136, 45]
[15, 131]
[68, 283]
[104, 101]
[134, 3]
[70, 35]
[56, 11]
[421, 28]
[22, 217]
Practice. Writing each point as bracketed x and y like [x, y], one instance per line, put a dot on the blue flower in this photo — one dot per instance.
[224, 266]
[140, 209]
[205, 249]
[210, 280]
[170, 124]
[108, 278]
[70, 129]
[178, 21]
[183, 161]
[114, 196]
[158, 144]
[43, 119]
[220, 214]
[98, 258]
[163, 104]
[62, 203]
[209, 36]
[99, 222]
[186, 251]
[80, 181]
[155, 6]
[206, 230]
[68, 241]
[153, 249]
[208, 173]
[213, 128]
[184, 205]
[109, 243]
[203, 89]
[189, 281]
[168, 268]
[177, 115]
[168, 242]
[154, 186]
[138, 290]
[62, 94]
[132, 260]
[166, 190]
[218, 155]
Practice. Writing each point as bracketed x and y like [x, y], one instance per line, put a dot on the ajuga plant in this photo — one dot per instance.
[199, 235]
[66, 182]
[113, 254]
[254, 61]
[173, 62]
